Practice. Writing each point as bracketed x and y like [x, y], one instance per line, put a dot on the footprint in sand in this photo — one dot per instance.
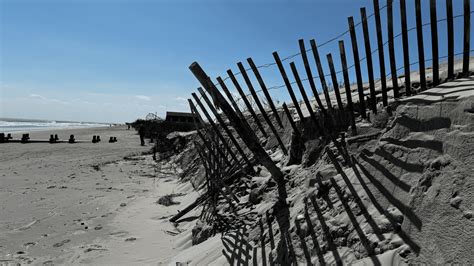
[59, 244]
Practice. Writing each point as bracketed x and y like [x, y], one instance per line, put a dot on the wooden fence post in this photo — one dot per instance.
[355, 51]
[288, 85]
[247, 103]
[214, 127]
[434, 42]
[244, 130]
[347, 86]
[450, 25]
[322, 77]
[229, 96]
[421, 51]
[406, 51]
[305, 97]
[260, 107]
[224, 126]
[309, 75]
[368, 58]
[265, 91]
[290, 118]
[335, 84]
[467, 38]
[383, 79]
[391, 49]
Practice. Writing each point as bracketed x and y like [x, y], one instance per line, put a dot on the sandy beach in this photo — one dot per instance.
[84, 203]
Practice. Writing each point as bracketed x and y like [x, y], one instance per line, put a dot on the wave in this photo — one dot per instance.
[16, 126]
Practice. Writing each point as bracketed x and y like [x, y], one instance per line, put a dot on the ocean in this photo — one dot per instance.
[11, 125]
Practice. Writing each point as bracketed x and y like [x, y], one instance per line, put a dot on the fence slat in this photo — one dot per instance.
[322, 77]
[290, 118]
[309, 75]
[434, 42]
[421, 51]
[230, 97]
[288, 85]
[224, 126]
[347, 85]
[406, 51]
[305, 97]
[450, 25]
[368, 58]
[242, 128]
[265, 91]
[214, 127]
[355, 51]
[203, 138]
[467, 38]
[391, 49]
[246, 102]
[335, 84]
[383, 80]
[260, 106]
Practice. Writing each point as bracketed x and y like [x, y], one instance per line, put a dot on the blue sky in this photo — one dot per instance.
[116, 60]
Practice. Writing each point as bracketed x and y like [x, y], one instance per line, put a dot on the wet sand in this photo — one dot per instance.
[84, 203]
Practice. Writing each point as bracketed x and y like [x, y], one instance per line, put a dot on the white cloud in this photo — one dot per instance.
[37, 96]
[180, 99]
[42, 98]
[143, 97]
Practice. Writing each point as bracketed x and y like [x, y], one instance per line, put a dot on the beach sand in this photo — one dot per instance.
[85, 203]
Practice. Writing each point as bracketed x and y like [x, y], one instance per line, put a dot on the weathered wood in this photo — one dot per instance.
[467, 38]
[247, 103]
[214, 127]
[229, 96]
[406, 50]
[355, 51]
[450, 25]
[225, 127]
[322, 77]
[347, 86]
[305, 97]
[189, 208]
[335, 83]
[378, 25]
[288, 85]
[391, 49]
[309, 75]
[265, 91]
[421, 49]
[434, 42]
[368, 59]
[243, 128]
[290, 118]
[260, 107]
[201, 136]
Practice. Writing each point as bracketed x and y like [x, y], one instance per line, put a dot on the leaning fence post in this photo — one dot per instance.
[309, 75]
[265, 91]
[241, 126]
[406, 51]
[229, 96]
[355, 51]
[467, 38]
[368, 58]
[290, 118]
[335, 84]
[383, 79]
[450, 25]
[347, 86]
[322, 77]
[224, 126]
[434, 42]
[260, 107]
[421, 52]
[288, 85]
[391, 49]
[247, 103]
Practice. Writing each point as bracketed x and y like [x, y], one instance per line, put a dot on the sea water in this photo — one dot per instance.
[10, 125]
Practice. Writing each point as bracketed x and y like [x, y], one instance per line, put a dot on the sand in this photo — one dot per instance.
[85, 203]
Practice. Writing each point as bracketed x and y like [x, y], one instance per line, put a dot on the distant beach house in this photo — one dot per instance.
[180, 117]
